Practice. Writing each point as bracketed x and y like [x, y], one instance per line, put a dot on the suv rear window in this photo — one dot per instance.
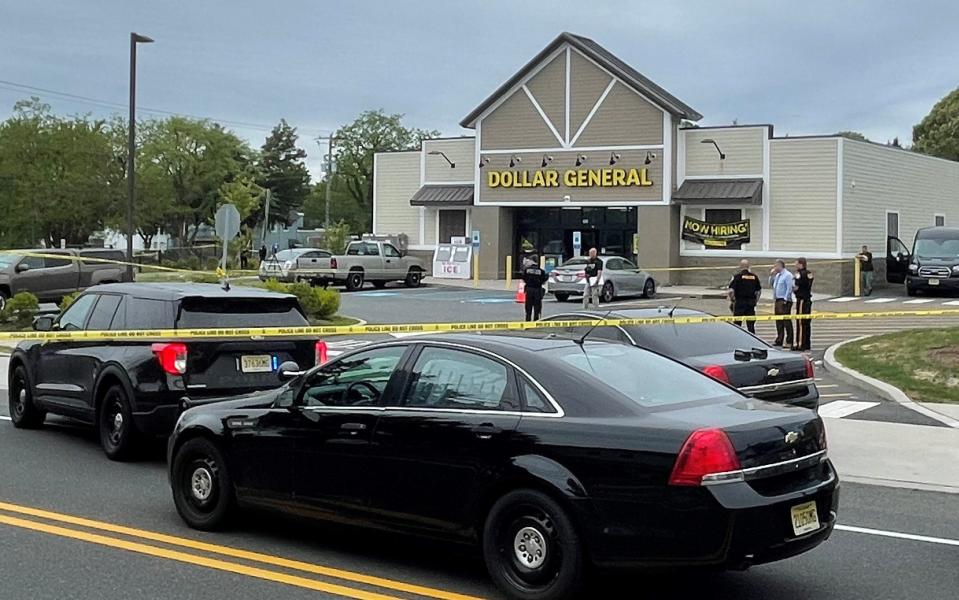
[698, 339]
[146, 313]
[240, 312]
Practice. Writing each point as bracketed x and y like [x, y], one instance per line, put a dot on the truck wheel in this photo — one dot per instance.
[4, 296]
[414, 278]
[354, 280]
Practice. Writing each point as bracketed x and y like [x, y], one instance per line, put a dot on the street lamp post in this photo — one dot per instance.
[135, 39]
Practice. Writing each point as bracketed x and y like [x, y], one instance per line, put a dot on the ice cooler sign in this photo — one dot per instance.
[452, 261]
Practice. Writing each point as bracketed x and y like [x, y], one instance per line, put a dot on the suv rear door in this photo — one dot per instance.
[225, 367]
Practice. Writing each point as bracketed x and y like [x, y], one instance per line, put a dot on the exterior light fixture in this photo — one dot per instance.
[713, 142]
[650, 157]
[483, 161]
[547, 159]
[613, 158]
[443, 154]
[580, 159]
[514, 160]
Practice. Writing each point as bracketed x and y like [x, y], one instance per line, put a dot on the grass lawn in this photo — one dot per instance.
[335, 320]
[924, 363]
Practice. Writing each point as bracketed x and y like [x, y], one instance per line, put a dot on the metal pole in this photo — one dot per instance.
[131, 151]
[266, 213]
[329, 183]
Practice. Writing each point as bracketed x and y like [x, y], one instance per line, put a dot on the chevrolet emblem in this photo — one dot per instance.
[772, 372]
[792, 437]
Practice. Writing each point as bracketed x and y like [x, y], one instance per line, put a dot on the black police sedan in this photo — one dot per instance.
[132, 388]
[721, 350]
[550, 453]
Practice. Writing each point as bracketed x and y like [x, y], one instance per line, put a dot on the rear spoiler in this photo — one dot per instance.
[748, 355]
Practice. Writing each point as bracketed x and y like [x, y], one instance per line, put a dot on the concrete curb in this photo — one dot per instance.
[880, 388]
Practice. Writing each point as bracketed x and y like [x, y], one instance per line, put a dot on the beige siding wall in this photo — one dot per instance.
[516, 124]
[563, 161]
[753, 213]
[624, 118]
[587, 82]
[917, 186]
[462, 151]
[549, 88]
[396, 179]
[802, 195]
[743, 147]
[430, 227]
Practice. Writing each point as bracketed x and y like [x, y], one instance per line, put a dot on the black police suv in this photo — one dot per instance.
[551, 454]
[129, 389]
[723, 351]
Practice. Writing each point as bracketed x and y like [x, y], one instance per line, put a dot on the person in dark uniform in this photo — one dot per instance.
[533, 280]
[262, 252]
[744, 290]
[803, 287]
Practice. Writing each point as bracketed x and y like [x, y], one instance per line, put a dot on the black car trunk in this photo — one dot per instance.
[777, 367]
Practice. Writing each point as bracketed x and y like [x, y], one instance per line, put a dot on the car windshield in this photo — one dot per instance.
[240, 312]
[8, 259]
[932, 248]
[288, 254]
[645, 378]
[701, 339]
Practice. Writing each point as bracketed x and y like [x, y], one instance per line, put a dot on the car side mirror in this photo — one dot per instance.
[43, 323]
[22, 267]
[288, 370]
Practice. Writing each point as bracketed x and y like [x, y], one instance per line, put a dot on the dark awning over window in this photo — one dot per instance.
[720, 191]
[443, 195]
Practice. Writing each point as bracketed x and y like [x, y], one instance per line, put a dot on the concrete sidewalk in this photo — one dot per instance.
[895, 454]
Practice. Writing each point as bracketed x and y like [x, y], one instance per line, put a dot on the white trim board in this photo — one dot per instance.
[374, 193]
[574, 204]
[542, 114]
[562, 149]
[592, 111]
[516, 87]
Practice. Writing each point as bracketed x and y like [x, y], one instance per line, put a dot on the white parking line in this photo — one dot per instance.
[844, 299]
[897, 535]
[951, 303]
[880, 300]
[843, 408]
[4, 418]
[921, 301]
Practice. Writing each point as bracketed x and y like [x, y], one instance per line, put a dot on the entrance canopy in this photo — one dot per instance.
[443, 195]
[720, 191]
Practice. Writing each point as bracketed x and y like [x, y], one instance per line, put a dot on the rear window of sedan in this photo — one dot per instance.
[643, 377]
[240, 312]
[699, 339]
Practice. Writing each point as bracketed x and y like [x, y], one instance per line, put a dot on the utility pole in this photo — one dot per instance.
[329, 176]
[131, 145]
[266, 213]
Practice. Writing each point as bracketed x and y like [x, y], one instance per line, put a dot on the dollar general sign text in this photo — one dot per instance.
[608, 177]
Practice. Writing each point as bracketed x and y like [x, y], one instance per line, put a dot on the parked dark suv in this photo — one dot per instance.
[130, 389]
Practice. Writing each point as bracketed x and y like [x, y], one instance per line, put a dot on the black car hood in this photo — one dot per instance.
[936, 262]
[262, 399]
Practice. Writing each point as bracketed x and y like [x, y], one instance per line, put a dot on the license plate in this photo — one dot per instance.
[257, 363]
[805, 518]
[933, 282]
[566, 277]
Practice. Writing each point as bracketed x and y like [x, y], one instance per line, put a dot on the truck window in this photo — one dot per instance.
[372, 249]
[103, 312]
[34, 262]
[146, 313]
[354, 250]
[197, 313]
[50, 262]
[390, 251]
[101, 255]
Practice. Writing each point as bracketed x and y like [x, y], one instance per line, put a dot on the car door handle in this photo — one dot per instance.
[485, 431]
[353, 428]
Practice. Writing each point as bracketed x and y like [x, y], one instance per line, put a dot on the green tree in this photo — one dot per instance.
[938, 133]
[853, 135]
[283, 171]
[373, 131]
[342, 207]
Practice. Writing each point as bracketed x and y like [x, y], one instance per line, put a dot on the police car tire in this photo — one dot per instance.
[561, 296]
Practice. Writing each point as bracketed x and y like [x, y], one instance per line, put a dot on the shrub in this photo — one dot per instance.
[67, 301]
[317, 303]
[21, 309]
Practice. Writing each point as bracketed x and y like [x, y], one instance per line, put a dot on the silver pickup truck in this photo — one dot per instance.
[50, 277]
[366, 260]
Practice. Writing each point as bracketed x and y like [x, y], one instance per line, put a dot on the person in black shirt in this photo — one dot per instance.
[744, 290]
[594, 272]
[533, 280]
[803, 289]
[262, 252]
[866, 270]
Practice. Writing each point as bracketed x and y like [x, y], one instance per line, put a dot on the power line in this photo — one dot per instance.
[20, 87]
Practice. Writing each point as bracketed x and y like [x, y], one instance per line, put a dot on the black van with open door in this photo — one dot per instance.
[933, 264]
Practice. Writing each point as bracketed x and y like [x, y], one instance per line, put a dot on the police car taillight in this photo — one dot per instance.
[707, 452]
[717, 372]
[810, 372]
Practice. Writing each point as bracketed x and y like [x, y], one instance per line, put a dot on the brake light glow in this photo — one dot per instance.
[581, 275]
[333, 263]
[706, 452]
[810, 373]
[717, 372]
[172, 357]
[320, 352]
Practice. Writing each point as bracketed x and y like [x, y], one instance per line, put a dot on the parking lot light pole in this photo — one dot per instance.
[135, 39]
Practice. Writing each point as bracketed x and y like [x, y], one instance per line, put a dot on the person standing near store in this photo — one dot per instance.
[594, 273]
[744, 291]
[533, 280]
[782, 282]
[866, 270]
[803, 290]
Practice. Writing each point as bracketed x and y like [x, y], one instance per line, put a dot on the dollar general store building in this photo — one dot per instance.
[579, 141]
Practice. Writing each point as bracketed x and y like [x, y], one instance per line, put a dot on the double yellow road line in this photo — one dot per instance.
[256, 565]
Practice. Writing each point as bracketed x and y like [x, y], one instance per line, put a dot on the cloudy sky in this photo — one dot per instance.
[807, 67]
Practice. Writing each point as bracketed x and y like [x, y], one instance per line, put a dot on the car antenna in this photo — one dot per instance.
[672, 310]
[590, 330]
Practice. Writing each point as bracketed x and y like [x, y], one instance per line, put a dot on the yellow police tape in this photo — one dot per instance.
[322, 330]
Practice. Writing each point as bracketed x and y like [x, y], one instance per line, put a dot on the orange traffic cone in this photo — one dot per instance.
[521, 293]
